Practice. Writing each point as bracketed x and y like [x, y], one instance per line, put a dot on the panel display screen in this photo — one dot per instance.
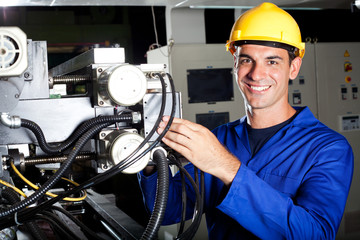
[212, 120]
[210, 85]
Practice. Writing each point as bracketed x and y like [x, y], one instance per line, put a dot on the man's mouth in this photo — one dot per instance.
[259, 88]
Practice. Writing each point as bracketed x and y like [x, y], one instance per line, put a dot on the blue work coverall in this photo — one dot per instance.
[295, 187]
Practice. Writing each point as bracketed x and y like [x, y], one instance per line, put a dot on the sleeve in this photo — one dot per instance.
[314, 212]
[174, 204]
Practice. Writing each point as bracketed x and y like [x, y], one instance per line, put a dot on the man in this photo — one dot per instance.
[276, 173]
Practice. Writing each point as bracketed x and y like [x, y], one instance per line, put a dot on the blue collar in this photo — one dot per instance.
[304, 119]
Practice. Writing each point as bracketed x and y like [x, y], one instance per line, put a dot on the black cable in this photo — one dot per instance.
[183, 195]
[198, 210]
[55, 149]
[183, 203]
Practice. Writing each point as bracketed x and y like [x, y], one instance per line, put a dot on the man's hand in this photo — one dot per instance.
[201, 147]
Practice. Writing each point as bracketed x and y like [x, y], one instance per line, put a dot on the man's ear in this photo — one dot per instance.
[295, 68]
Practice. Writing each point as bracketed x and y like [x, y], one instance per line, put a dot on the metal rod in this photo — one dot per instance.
[68, 79]
[29, 161]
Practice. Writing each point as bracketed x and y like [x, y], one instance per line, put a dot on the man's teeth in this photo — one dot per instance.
[260, 88]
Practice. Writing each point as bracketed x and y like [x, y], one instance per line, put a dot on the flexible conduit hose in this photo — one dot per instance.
[162, 190]
[52, 149]
[56, 176]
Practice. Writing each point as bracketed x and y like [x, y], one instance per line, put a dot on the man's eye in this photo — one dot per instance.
[272, 62]
[245, 61]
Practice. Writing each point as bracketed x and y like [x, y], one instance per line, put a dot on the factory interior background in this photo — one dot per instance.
[70, 31]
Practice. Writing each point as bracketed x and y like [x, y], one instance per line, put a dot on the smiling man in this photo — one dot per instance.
[277, 173]
[262, 75]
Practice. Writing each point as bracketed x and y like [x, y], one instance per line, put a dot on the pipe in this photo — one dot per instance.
[10, 121]
[162, 191]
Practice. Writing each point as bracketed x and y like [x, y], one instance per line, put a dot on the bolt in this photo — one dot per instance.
[26, 75]
[100, 70]
[16, 95]
[103, 134]
[101, 103]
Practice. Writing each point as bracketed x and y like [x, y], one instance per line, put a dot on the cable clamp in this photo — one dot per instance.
[15, 219]
[155, 149]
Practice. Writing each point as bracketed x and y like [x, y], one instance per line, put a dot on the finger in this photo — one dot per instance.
[165, 121]
[173, 129]
[181, 129]
[189, 124]
[178, 138]
[177, 147]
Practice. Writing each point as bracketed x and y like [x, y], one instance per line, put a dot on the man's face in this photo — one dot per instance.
[263, 74]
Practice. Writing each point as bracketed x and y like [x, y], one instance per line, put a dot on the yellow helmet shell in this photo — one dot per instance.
[267, 22]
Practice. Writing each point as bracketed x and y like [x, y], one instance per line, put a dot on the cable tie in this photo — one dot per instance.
[15, 219]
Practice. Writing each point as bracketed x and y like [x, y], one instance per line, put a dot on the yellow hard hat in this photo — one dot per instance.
[267, 24]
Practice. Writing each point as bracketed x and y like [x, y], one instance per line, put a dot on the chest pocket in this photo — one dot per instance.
[286, 185]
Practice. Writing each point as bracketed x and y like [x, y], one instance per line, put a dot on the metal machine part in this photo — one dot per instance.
[10, 121]
[151, 103]
[118, 222]
[119, 144]
[13, 53]
[13, 62]
[123, 85]
[123, 145]
[111, 89]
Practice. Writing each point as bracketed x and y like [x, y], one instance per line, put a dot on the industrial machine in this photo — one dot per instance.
[67, 129]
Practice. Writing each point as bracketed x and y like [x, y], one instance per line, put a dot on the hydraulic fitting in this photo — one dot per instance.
[10, 121]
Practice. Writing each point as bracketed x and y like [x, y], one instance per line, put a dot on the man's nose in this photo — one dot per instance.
[257, 72]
